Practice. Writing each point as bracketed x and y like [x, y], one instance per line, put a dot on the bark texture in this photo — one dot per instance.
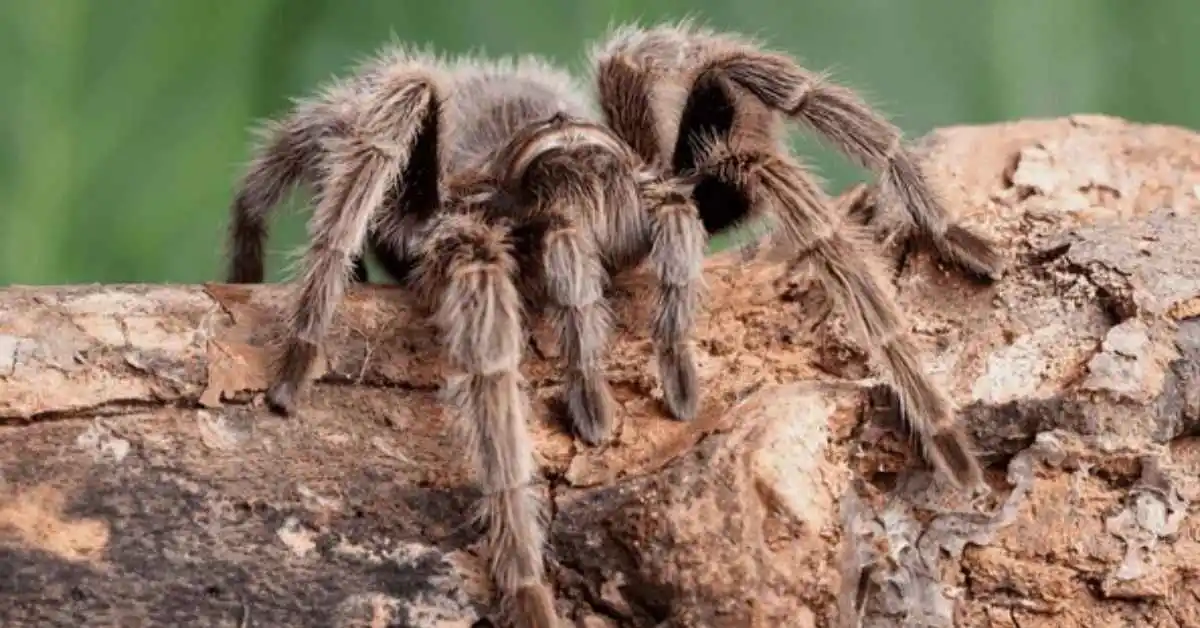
[143, 483]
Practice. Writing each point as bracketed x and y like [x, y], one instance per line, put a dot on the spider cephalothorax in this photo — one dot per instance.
[493, 190]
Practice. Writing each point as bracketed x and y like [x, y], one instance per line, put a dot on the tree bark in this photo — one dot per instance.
[143, 482]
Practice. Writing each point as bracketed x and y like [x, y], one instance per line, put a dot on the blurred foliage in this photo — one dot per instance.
[123, 123]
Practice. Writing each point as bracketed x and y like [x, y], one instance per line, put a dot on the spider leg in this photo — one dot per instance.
[581, 204]
[287, 154]
[677, 243]
[627, 93]
[858, 204]
[359, 166]
[279, 164]
[626, 99]
[574, 282]
[467, 273]
[843, 260]
[839, 115]
[635, 59]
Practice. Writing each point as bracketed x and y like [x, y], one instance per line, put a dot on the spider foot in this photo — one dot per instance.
[590, 406]
[961, 248]
[281, 399]
[680, 383]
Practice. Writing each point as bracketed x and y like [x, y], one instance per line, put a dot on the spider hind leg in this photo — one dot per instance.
[843, 260]
[845, 121]
[279, 164]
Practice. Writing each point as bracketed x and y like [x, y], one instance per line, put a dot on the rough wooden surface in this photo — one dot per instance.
[143, 483]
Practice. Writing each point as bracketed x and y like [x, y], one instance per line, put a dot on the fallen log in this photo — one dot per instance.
[143, 482]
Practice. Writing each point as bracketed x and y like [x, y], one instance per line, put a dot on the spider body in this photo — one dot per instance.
[491, 190]
[496, 189]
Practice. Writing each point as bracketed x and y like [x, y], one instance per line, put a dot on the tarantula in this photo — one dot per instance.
[495, 190]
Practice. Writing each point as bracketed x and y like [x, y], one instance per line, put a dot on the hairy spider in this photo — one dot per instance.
[489, 188]
[494, 189]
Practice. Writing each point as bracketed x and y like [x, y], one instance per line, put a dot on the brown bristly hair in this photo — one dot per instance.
[496, 186]
[496, 191]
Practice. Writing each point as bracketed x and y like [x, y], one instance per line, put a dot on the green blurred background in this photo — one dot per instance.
[123, 123]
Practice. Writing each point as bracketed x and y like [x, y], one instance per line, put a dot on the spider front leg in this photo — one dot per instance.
[359, 166]
[574, 282]
[575, 184]
[854, 277]
[467, 274]
[677, 243]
